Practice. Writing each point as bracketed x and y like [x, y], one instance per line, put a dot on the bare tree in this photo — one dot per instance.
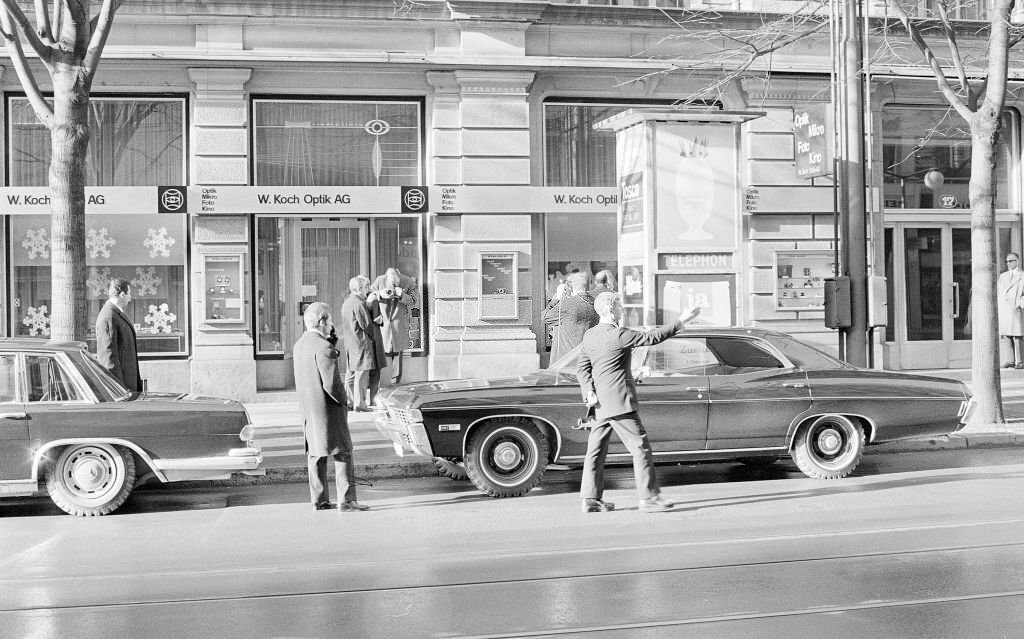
[68, 39]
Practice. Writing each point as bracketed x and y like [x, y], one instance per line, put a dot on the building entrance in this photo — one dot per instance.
[929, 294]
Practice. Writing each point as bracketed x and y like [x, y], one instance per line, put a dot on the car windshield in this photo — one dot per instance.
[103, 385]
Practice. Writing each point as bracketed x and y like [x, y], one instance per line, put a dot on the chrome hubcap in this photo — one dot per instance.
[89, 471]
[830, 441]
[507, 456]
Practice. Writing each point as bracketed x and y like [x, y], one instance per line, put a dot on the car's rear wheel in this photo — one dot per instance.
[450, 469]
[91, 479]
[830, 447]
[506, 457]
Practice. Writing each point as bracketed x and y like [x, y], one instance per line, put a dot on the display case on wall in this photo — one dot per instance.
[223, 288]
[800, 279]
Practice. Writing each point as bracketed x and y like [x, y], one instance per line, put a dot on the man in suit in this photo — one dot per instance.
[607, 384]
[1010, 299]
[115, 337]
[364, 347]
[570, 316]
[394, 298]
[324, 417]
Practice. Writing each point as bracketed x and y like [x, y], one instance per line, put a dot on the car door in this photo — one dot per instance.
[673, 393]
[57, 405]
[755, 394]
[15, 457]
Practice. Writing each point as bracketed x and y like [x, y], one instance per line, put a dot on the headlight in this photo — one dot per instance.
[415, 414]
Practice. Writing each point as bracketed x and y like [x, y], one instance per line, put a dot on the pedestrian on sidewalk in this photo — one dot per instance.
[1010, 297]
[570, 317]
[321, 397]
[394, 296]
[115, 337]
[606, 381]
[364, 346]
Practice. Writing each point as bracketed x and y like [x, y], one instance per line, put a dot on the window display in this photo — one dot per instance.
[800, 279]
[222, 281]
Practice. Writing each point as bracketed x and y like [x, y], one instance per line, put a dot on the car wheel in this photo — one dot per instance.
[450, 469]
[830, 447]
[91, 479]
[506, 458]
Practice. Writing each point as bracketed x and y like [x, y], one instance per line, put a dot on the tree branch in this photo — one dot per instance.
[28, 79]
[43, 27]
[954, 52]
[13, 11]
[101, 26]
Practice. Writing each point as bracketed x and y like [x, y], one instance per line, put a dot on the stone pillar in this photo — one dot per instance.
[481, 135]
[222, 353]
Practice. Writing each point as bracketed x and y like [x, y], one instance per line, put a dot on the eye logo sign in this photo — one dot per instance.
[414, 199]
[172, 199]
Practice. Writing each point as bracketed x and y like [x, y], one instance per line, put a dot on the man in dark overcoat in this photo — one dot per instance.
[115, 337]
[571, 316]
[364, 348]
[606, 381]
[324, 417]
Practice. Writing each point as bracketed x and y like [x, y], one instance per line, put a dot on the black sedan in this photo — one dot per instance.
[741, 394]
[69, 428]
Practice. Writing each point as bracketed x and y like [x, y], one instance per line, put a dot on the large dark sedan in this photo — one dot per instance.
[69, 428]
[705, 395]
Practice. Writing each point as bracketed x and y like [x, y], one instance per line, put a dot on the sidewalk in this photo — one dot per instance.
[279, 434]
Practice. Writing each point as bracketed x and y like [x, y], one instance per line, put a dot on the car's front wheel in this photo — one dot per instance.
[451, 469]
[830, 447]
[506, 457]
[91, 479]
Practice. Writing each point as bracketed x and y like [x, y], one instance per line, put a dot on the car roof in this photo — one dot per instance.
[38, 344]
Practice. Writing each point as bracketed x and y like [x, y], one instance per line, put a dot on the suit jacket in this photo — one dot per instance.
[360, 333]
[116, 348]
[569, 318]
[604, 366]
[1009, 297]
[321, 395]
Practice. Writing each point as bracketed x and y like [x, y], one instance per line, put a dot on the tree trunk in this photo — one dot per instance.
[984, 315]
[69, 142]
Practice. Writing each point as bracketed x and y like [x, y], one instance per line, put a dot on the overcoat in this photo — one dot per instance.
[360, 334]
[1009, 297]
[604, 365]
[115, 346]
[569, 318]
[321, 395]
[394, 312]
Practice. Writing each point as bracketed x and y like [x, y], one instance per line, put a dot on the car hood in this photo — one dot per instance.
[184, 397]
[406, 393]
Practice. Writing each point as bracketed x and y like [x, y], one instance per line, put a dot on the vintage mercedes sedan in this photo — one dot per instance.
[68, 428]
[741, 394]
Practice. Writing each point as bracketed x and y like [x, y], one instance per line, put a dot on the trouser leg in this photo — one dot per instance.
[592, 482]
[372, 385]
[360, 389]
[350, 388]
[316, 469]
[345, 477]
[395, 364]
[631, 431]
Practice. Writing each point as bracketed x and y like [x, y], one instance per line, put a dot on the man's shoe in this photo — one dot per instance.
[352, 506]
[363, 409]
[1019, 365]
[324, 505]
[657, 504]
[1008, 364]
[597, 506]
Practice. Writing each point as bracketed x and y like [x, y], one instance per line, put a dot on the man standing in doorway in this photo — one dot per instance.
[324, 419]
[364, 347]
[570, 317]
[606, 380]
[115, 337]
[1010, 297]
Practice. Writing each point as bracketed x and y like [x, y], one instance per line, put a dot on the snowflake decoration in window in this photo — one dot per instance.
[37, 321]
[98, 281]
[160, 319]
[158, 242]
[146, 282]
[36, 243]
[98, 243]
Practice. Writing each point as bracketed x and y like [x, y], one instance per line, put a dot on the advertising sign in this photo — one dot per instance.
[812, 140]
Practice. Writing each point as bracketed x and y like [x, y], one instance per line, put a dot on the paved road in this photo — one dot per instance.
[915, 545]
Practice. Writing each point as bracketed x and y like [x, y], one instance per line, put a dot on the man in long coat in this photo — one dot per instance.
[1010, 299]
[606, 381]
[324, 417]
[571, 316]
[115, 337]
[364, 347]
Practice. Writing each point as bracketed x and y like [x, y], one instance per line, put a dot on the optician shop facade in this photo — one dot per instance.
[246, 173]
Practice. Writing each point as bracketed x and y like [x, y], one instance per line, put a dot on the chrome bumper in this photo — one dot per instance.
[408, 438]
[238, 460]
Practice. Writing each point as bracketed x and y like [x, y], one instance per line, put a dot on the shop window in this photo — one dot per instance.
[800, 279]
[926, 154]
[300, 260]
[134, 142]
